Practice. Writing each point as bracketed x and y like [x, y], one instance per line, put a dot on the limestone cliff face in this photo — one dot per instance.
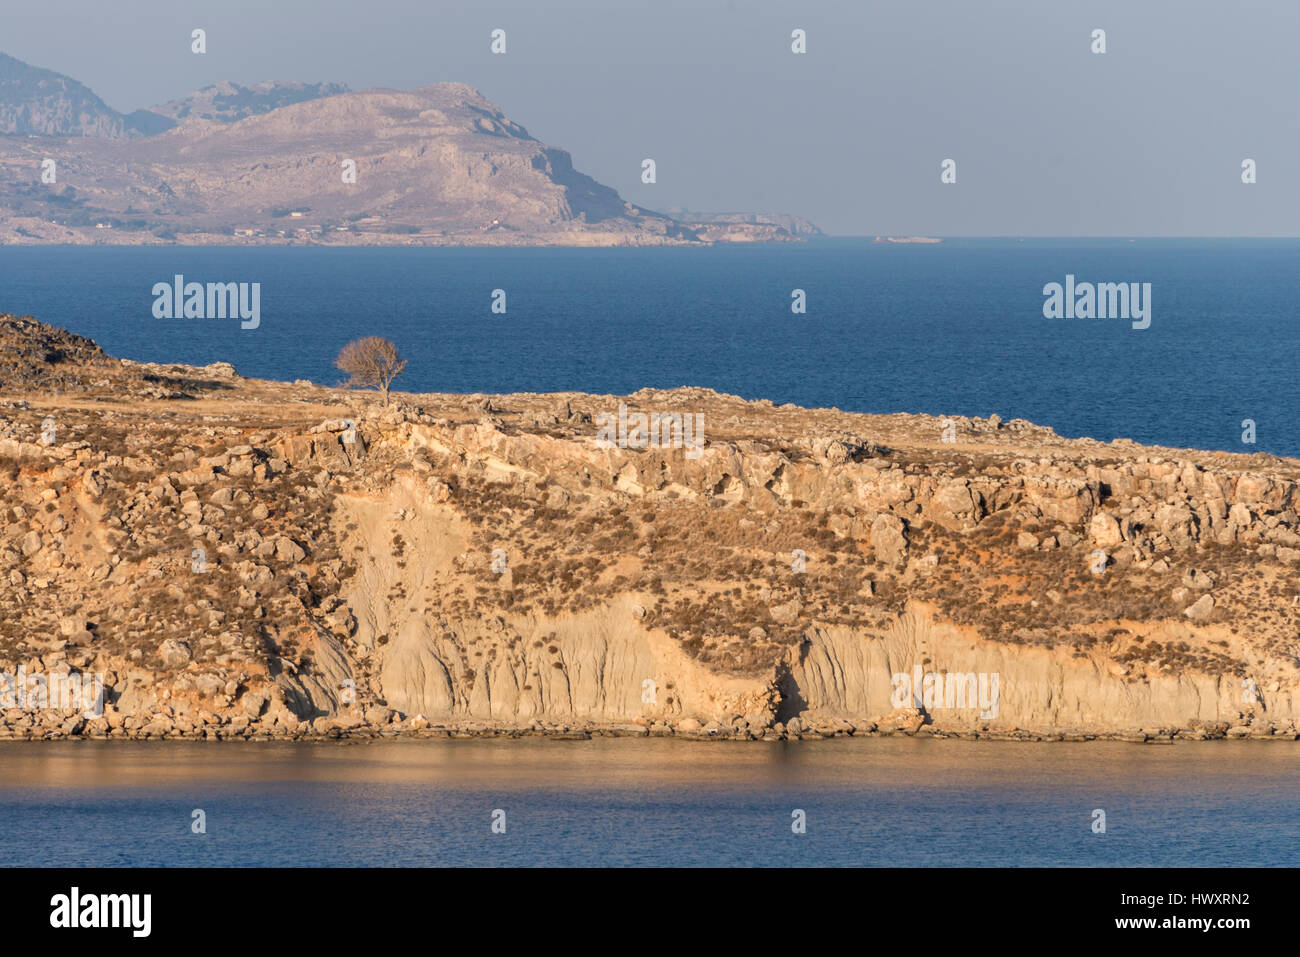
[841, 672]
[595, 664]
[601, 665]
[263, 558]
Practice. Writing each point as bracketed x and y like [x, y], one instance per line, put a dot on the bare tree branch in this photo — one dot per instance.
[371, 363]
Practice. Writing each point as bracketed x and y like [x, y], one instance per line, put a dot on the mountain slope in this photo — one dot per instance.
[441, 164]
[229, 102]
[37, 102]
[295, 162]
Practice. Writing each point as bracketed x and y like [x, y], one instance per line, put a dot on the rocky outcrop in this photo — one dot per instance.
[841, 672]
[296, 561]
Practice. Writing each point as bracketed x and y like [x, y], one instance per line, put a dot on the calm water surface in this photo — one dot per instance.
[895, 802]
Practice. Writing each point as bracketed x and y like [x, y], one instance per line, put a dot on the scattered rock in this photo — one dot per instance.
[174, 653]
[889, 539]
[1200, 609]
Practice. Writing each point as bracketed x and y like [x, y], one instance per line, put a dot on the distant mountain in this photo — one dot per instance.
[230, 102]
[310, 163]
[148, 123]
[36, 102]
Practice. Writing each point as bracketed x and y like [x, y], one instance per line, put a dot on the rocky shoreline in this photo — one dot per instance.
[208, 726]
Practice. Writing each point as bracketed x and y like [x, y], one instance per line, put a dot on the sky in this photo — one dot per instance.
[1048, 137]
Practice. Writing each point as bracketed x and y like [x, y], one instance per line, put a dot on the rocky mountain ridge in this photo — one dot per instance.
[36, 102]
[293, 163]
[230, 102]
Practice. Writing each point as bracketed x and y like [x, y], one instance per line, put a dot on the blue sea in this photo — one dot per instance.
[897, 802]
[955, 328]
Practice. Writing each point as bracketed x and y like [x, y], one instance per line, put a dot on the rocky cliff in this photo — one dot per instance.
[245, 558]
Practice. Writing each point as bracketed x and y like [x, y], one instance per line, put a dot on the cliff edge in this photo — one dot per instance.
[243, 558]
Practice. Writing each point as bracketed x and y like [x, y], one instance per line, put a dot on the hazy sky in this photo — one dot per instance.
[1049, 138]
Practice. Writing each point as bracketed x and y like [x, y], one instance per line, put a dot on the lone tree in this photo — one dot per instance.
[371, 363]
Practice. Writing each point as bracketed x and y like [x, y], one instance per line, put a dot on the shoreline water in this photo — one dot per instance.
[890, 802]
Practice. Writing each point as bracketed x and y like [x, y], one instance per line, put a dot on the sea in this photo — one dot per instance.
[875, 802]
[955, 328]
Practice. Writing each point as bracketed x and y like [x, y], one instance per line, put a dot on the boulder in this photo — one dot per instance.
[889, 539]
[1178, 524]
[1200, 609]
[786, 613]
[955, 506]
[175, 653]
[32, 543]
[287, 550]
[1104, 530]
[1198, 580]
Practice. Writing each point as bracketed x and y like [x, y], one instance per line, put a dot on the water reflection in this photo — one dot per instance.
[896, 801]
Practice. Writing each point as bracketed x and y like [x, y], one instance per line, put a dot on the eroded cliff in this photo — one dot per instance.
[241, 558]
